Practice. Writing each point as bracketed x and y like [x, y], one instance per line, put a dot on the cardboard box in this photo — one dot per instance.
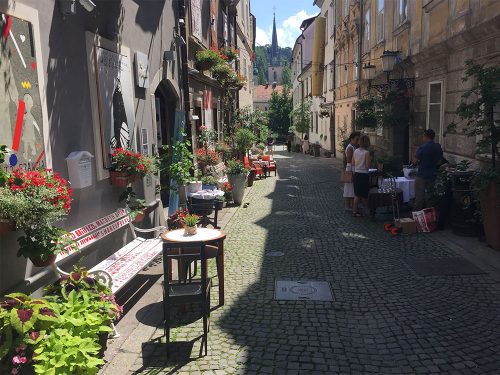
[408, 225]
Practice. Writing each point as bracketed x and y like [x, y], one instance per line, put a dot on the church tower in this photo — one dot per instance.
[274, 69]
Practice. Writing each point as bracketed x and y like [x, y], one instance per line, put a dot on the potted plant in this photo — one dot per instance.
[477, 111]
[209, 182]
[128, 166]
[136, 206]
[42, 244]
[23, 324]
[190, 222]
[221, 72]
[207, 59]
[229, 54]
[223, 149]
[366, 116]
[177, 162]
[245, 138]
[228, 192]
[237, 176]
[176, 220]
[206, 157]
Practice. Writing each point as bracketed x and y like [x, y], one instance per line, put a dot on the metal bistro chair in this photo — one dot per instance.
[185, 289]
[204, 208]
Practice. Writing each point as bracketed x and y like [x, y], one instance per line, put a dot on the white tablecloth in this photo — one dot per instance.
[407, 186]
[206, 194]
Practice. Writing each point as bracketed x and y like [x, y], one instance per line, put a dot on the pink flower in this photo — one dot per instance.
[18, 360]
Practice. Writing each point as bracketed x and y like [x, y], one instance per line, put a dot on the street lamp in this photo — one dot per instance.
[388, 61]
[369, 73]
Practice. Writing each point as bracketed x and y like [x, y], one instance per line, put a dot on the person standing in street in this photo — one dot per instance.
[428, 157]
[361, 161]
[270, 144]
[289, 140]
[305, 144]
[348, 186]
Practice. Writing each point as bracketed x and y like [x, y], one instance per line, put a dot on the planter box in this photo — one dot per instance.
[490, 209]
[122, 179]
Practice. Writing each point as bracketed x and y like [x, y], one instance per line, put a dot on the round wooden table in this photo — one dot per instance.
[176, 239]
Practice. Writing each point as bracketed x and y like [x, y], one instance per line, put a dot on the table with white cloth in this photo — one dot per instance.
[203, 203]
[206, 194]
[406, 185]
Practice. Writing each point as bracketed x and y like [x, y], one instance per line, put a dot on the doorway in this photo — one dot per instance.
[165, 104]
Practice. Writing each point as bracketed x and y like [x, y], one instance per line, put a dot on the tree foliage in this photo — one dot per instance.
[286, 76]
[301, 117]
[477, 108]
[280, 107]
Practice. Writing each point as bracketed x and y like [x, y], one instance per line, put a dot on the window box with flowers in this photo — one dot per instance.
[128, 167]
[221, 72]
[229, 54]
[207, 59]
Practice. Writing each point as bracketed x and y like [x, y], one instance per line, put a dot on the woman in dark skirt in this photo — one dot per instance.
[361, 161]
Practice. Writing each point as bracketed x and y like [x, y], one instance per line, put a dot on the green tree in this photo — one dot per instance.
[301, 118]
[280, 107]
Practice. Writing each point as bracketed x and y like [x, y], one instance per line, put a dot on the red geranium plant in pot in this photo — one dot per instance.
[128, 166]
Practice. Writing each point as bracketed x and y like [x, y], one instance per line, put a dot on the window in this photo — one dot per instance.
[317, 121]
[346, 8]
[337, 74]
[336, 5]
[332, 18]
[366, 31]
[380, 20]
[435, 108]
[402, 11]
[355, 67]
[345, 67]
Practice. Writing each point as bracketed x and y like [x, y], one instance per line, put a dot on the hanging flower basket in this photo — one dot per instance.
[121, 179]
[38, 261]
[7, 226]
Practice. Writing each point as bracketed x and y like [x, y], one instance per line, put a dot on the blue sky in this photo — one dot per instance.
[289, 16]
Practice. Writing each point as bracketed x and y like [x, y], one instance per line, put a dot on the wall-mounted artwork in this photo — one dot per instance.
[21, 123]
[116, 103]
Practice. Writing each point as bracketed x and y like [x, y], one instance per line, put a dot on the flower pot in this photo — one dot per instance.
[238, 182]
[490, 210]
[140, 216]
[119, 178]
[190, 231]
[39, 262]
[7, 226]
[251, 177]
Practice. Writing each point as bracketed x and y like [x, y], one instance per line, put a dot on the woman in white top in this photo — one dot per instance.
[305, 144]
[349, 186]
[361, 161]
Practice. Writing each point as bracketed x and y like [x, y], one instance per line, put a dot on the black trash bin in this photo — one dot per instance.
[463, 220]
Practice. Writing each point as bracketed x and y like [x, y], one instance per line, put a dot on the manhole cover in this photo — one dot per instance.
[443, 267]
[275, 254]
[302, 290]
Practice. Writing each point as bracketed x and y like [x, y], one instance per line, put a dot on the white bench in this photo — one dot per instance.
[121, 266]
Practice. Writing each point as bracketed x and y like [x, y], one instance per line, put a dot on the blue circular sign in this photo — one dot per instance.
[13, 160]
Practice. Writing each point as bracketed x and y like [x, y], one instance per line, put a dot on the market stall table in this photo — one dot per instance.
[205, 238]
[202, 203]
[406, 185]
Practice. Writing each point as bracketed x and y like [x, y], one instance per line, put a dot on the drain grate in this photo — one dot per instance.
[302, 290]
[443, 267]
[275, 254]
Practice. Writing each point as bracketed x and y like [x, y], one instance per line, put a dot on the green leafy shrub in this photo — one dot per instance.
[235, 167]
[245, 138]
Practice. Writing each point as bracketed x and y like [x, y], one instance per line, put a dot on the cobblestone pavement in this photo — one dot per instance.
[385, 319]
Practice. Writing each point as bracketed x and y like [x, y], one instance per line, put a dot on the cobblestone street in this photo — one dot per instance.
[385, 317]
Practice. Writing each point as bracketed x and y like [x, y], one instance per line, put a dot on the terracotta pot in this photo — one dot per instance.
[119, 178]
[189, 231]
[490, 210]
[39, 262]
[140, 216]
[7, 226]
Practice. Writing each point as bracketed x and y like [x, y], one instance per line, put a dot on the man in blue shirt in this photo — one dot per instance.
[428, 157]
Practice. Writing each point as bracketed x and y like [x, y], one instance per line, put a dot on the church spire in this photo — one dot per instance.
[275, 58]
